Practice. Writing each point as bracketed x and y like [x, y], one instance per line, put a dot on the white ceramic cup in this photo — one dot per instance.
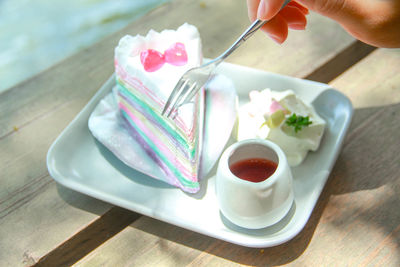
[254, 205]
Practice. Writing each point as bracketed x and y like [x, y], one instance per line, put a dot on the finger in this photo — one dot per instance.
[294, 18]
[302, 8]
[276, 28]
[267, 9]
[252, 7]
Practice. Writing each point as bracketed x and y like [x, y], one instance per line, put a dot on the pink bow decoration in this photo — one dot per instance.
[153, 60]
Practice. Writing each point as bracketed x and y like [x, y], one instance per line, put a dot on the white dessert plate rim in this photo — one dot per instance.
[78, 162]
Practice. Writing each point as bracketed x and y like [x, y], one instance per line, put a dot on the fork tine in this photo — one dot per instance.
[191, 94]
[185, 94]
[182, 91]
[186, 90]
[172, 105]
[178, 87]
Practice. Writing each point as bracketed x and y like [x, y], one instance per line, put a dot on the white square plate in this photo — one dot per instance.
[77, 161]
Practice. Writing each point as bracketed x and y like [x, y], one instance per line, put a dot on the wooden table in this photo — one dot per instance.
[355, 222]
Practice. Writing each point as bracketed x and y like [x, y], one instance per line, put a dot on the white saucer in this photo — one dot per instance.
[76, 160]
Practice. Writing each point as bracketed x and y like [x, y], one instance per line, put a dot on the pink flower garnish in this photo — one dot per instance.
[176, 55]
[275, 106]
[152, 60]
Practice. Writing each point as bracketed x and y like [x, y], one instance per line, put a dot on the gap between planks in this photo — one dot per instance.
[117, 219]
[89, 238]
[341, 62]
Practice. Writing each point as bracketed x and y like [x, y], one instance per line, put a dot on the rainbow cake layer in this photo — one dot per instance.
[147, 69]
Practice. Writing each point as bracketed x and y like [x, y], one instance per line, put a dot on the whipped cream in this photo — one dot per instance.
[265, 117]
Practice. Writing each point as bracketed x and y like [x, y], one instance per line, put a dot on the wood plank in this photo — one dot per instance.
[35, 112]
[376, 83]
[341, 62]
[50, 215]
[89, 238]
[154, 248]
[355, 221]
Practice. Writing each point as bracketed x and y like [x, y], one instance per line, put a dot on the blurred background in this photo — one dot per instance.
[36, 34]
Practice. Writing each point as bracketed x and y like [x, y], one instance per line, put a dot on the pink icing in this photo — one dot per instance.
[176, 55]
[153, 60]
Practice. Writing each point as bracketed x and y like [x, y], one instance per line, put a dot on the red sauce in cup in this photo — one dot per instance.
[254, 170]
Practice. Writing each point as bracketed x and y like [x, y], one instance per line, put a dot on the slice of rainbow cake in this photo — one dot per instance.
[147, 69]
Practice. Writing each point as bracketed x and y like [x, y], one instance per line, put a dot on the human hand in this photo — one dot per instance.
[376, 22]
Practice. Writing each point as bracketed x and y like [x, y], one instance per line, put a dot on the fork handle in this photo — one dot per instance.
[246, 35]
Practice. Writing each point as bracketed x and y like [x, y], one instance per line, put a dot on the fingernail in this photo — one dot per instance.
[262, 8]
[276, 39]
[297, 26]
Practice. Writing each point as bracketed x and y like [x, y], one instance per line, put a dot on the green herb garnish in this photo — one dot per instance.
[298, 122]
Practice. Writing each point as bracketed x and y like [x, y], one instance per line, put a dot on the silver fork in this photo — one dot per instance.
[193, 79]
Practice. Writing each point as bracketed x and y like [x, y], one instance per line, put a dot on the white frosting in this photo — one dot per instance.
[162, 81]
[254, 115]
